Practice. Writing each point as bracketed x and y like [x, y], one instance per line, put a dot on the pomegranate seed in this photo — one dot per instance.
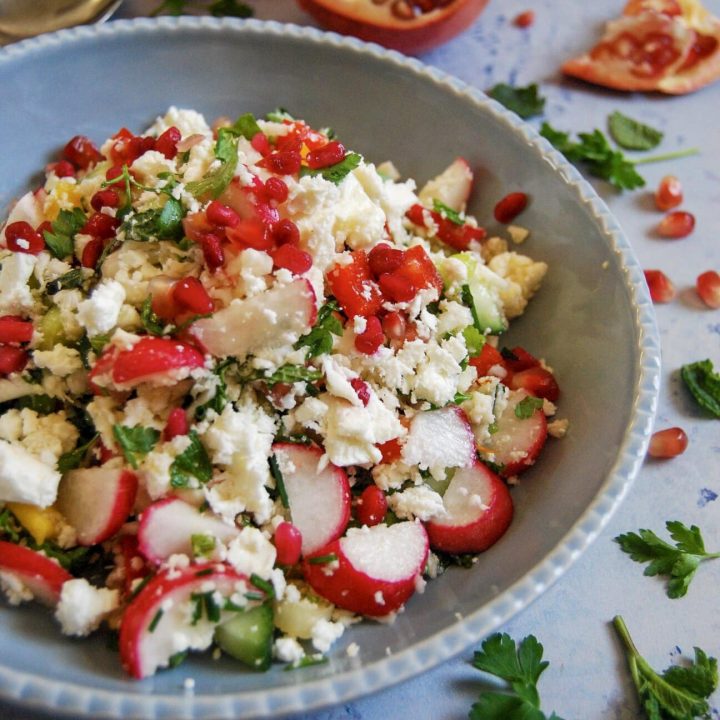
[668, 443]
[276, 189]
[372, 338]
[510, 207]
[221, 215]
[167, 142]
[81, 152]
[250, 233]
[384, 259]
[330, 154]
[100, 225]
[288, 543]
[286, 232]
[394, 326]
[284, 162]
[661, 288]
[12, 359]
[372, 506]
[192, 295]
[21, 237]
[212, 251]
[396, 288]
[292, 258]
[105, 454]
[362, 390]
[62, 169]
[14, 329]
[114, 172]
[261, 144]
[91, 253]
[678, 224]
[146, 144]
[708, 288]
[669, 193]
[177, 424]
[391, 451]
[105, 198]
[524, 19]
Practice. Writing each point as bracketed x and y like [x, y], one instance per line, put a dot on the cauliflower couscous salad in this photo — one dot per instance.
[252, 389]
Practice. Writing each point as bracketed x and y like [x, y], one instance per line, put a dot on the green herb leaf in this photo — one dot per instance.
[279, 115]
[230, 8]
[703, 383]
[73, 459]
[525, 101]
[202, 545]
[41, 404]
[323, 559]
[631, 134]
[276, 472]
[680, 693]
[292, 374]
[135, 442]
[213, 183]
[678, 562]
[474, 340]
[171, 7]
[452, 215]
[335, 173]
[156, 223]
[319, 339]
[246, 125]
[72, 279]
[527, 407]
[466, 298]
[60, 240]
[150, 320]
[520, 667]
[192, 462]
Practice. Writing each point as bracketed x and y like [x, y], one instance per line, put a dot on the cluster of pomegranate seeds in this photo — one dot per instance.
[372, 506]
[452, 234]
[669, 193]
[105, 198]
[661, 287]
[177, 424]
[524, 19]
[677, 224]
[221, 215]
[330, 154]
[288, 543]
[81, 152]
[510, 207]
[668, 443]
[62, 168]
[21, 237]
[708, 288]
[292, 258]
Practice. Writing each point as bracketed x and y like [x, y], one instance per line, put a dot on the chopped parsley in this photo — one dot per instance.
[74, 458]
[276, 472]
[202, 545]
[447, 212]
[193, 462]
[335, 173]
[214, 182]
[527, 406]
[135, 442]
[60, 240]
[319, 339]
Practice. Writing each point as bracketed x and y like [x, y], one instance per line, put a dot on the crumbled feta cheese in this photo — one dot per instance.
[82, 607]
[288, 649]
[15, 295]
[523, 277]
[99, 313]
[419, 502]
[24, 478]
[61, 360]
[16, 591]
[558, 428]
[325, 633]
[251, 553]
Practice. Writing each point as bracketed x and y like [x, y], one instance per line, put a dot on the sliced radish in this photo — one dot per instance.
[96, 501]
[37, 572]
[319, 500]
[275, 318]
[440, 438]
[372, 570]
[158, 622]
[167, 526]
[451, 187]
[518, 441]
[152, 359]
[478, 510]
[29, 208]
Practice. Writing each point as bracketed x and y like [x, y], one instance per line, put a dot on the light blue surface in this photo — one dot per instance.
[587, 678]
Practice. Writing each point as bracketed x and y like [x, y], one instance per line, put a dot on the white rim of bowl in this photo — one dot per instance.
[40, 693]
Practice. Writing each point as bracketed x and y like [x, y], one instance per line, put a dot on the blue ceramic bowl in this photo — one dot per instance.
[592, 321]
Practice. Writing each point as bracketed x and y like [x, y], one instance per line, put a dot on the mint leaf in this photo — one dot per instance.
[703, 383]
[246, 125]
[135, 442]
[319, 339]
[452, 215]
[60, 241]
[525, 101]
[193, 462]
[335, 173]
[631, 134]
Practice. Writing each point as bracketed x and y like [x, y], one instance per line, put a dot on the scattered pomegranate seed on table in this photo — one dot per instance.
[678, 224]
[668, 443]
[708, 288]
[661, 287]
[525, 19]
[669, 193]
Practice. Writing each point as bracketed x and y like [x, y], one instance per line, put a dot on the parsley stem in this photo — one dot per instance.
[665, 156]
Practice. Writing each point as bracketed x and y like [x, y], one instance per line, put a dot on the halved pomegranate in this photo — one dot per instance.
[410, 26]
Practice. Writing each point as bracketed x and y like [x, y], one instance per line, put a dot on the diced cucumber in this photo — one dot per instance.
[51, 327]
[248, 636]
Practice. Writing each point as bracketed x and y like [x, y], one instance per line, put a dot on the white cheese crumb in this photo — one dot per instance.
[83, 607]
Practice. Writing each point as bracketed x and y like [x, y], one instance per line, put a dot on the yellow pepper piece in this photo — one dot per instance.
[42, 523]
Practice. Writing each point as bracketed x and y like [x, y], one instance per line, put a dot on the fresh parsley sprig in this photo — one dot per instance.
[703, 383]
[680, 693]
[678, 562]
[319, 339]
[520, 667]
[60, 240]
[135, 442]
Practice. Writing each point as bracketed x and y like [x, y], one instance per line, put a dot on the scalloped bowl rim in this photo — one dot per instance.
[34, 691]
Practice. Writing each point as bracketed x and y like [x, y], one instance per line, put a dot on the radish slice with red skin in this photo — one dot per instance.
[451, 187]
[376, 568]
[478, 508]
[319, 499]
[41, 575]
[97, 501]
[155, 624]
[440, 438]
[167, 526]
[274, 318]
[517, 442]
